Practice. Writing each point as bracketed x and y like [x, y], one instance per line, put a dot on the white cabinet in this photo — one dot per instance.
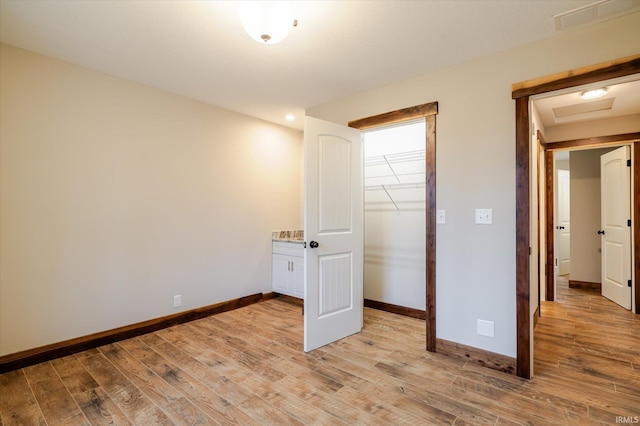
[288, 269]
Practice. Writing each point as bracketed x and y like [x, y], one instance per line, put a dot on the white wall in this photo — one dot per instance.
[115, 196]
[476, 167]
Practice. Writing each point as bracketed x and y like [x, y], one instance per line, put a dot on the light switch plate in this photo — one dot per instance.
[441, 216]
[484, 216]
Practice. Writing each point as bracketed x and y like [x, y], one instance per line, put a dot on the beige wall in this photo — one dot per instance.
[476, 166]
[562, 165]
[593, 128]
[115, 196]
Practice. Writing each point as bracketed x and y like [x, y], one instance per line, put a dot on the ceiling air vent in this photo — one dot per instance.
[594, 12]
[583, 111]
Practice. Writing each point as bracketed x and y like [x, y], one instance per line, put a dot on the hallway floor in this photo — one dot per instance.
[591, 347]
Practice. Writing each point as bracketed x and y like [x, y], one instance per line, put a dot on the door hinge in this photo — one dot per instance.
[628, 222]
[628, 163]
[629, 282]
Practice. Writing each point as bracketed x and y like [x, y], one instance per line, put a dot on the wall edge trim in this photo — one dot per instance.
[484, 358]
[396, 309]
[585, 285]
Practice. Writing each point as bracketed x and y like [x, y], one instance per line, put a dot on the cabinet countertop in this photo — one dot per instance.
[288, 240]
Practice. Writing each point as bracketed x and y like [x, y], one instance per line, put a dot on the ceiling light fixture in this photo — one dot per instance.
[267, 22]
[594, 94]
[290, 117]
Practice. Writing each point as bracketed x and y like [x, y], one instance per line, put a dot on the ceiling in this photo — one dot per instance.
[199, 49]
[621, 99]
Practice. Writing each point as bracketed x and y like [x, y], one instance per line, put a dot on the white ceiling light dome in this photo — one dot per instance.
[267, 22]
[595, 93]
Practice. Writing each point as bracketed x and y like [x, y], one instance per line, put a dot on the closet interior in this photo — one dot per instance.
[394, 215]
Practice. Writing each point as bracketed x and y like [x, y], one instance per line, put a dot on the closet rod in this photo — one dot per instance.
[395, 158]
[392, 186]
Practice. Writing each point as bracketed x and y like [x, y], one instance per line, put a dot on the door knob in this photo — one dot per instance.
[600, 232]
[313, 244]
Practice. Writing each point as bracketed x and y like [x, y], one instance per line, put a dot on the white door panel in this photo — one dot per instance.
[333, 203]
[615, 180]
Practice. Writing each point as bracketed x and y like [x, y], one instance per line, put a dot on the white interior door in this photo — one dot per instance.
[615, 178]
[333, 230]
[563, 224]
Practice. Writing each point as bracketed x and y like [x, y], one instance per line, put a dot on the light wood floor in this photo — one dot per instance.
[248, 367]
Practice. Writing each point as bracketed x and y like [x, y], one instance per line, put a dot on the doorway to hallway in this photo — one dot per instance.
[525, 184]
[589, 197]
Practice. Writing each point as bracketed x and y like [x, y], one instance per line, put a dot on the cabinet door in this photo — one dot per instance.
[297, 276]
[281, 280]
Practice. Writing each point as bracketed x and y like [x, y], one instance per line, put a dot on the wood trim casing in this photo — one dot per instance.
[269, 295]
[523, 245]
[589, 74]
[395, 309]
[289, 299]
[549, 166]
[520, 93]
[596, 141]
[538, 217]
[585, 285]
[68, 347]
[430, 204]
[429, 112]
[488, 359]
[541, 138]
[397, 116]
[635, 219]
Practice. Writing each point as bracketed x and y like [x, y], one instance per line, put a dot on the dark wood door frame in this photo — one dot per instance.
[549, 148]
[549, 180]
[521, 92]
[428, 112]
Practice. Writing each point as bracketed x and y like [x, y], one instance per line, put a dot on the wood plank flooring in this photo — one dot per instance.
[247, 367]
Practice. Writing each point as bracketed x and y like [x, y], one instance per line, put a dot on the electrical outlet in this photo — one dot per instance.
[485, 328]
[441, 216]
[484, 216]
[177, 300]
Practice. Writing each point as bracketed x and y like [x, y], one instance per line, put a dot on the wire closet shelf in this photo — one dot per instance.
[400, 177]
